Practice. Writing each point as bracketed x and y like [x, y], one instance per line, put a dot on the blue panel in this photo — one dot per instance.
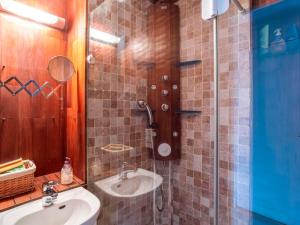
[276, 113]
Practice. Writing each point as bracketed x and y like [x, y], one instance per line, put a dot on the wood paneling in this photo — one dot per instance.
[31, 127]
[34, 127]
[164, 40]
[76, 119]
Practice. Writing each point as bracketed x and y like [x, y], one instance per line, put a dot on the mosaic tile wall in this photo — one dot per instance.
[115, 83]
[192, 177]
[235, 91]
[117, 80]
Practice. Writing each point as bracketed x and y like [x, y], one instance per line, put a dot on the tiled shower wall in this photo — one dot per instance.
[118, 79]
[192, 176]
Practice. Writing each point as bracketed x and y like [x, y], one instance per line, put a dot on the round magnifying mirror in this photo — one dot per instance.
[61, 68]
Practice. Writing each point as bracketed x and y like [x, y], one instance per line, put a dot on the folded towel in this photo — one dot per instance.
[19, 168]
[11, 165]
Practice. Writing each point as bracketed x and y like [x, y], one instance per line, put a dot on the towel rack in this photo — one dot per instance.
[25, 87]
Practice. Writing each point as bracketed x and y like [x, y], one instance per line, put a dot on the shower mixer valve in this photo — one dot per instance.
[165, 77]
[165, 92]
[164, 107]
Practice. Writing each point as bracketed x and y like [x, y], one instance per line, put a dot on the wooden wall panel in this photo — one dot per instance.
[76, 110]
[32, 125]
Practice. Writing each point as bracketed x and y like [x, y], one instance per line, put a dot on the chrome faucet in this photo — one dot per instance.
[50, 195]
[124, 171]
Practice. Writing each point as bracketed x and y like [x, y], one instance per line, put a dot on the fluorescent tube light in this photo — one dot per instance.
[28, 12]
[101, 36]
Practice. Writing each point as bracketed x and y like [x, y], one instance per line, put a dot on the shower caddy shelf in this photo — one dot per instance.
[189, 112]
[189, 63]
[116, 148]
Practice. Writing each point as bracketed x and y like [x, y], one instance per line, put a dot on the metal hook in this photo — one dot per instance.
[2, 69]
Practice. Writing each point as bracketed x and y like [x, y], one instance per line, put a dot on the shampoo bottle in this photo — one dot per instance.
[278, 45]
[67, 172]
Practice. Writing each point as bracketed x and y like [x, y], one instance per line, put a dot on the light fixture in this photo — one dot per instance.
[30, 13]
[101, 36]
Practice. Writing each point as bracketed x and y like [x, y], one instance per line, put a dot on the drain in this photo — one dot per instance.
[62, 207]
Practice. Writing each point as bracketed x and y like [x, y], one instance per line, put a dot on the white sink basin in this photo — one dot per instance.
[74, 207]
[138, 183]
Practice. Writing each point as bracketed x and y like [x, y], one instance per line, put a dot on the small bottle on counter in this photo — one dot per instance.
[67, 172]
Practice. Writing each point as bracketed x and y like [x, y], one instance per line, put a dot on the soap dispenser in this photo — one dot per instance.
[278, 45]
[67, 172]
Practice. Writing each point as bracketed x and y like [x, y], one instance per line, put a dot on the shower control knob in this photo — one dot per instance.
[165, 77]
[174, 86]
[153, 87]
[164, 107]
[175, 134]
[91, 59]
[165, 92]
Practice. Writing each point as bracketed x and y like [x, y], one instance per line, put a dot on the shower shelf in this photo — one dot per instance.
[188, 112]
[188, 63]
[116, 148]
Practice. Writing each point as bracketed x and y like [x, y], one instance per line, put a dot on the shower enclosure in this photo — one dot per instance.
[248, 176]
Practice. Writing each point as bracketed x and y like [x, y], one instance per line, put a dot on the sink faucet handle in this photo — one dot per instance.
[124, 165]
[50, 195]
[47, 187]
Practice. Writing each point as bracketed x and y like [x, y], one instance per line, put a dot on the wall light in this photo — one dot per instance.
[101, 36]
[28, 12]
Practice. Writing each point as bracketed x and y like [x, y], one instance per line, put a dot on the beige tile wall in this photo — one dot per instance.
[117, 80]
[192, 176]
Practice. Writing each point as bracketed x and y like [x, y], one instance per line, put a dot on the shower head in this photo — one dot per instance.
[142, 104]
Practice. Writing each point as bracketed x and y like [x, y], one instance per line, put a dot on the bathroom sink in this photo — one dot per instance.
[74, 207]
[138, 183]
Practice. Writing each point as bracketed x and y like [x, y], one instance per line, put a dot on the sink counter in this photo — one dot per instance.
[73, 207]
[8, 203]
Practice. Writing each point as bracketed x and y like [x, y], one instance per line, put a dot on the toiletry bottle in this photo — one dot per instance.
[67, 172]
[278, 45]
[264, 39]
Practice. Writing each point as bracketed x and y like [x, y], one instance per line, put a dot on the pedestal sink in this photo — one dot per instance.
[74, 207]
[138, 183]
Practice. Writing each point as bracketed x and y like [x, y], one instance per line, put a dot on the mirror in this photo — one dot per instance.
[61, 68]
